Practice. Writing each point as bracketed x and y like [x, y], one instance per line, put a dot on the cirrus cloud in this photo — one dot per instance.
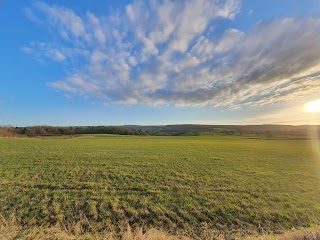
[159, 52]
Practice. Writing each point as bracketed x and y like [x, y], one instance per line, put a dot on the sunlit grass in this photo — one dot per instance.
[179, 184]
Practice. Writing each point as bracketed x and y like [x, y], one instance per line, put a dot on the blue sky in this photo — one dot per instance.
[159, 62]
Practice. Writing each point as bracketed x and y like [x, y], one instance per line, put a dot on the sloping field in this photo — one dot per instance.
[200, 186]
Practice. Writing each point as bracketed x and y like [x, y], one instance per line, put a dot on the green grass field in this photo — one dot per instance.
[191, 185]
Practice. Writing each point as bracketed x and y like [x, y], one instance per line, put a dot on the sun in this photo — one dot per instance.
[313, 106]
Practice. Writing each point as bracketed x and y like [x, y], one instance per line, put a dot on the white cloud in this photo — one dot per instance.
[96, 27]
[160, 52]
[194, 19]
[228, 40]
[57, 55]
[203, 49]
[31, 16]
[188, 62]
[65, 19]
[132, 61]
[130, 13]
[46, 51]
[27, 50]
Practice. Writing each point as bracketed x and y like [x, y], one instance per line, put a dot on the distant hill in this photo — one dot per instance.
[267, 131]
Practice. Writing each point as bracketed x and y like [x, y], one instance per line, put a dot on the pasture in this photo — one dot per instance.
[197, 186]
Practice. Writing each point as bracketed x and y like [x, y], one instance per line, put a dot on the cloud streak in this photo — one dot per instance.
[162, 52]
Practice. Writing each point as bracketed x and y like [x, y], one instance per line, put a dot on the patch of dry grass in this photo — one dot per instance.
[7, 132]
[8, 231]
[301, 234]
[15, 232]
[306, 234]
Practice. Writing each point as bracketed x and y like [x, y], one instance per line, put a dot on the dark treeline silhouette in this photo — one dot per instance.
[265, 131]
[58, 131]
[269, 131]
[7, 131]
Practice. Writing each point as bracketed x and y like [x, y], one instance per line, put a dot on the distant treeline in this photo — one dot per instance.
[164, 130]
[302, 131]
[58, 131]
[7, 131]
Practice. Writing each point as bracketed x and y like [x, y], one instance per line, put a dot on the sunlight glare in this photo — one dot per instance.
[313, 106]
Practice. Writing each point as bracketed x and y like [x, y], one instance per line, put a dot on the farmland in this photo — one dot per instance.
[189, 185]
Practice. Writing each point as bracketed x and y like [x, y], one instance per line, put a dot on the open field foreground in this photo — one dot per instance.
[201, 187]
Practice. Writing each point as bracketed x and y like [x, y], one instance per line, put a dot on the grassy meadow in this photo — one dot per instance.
[198, 186]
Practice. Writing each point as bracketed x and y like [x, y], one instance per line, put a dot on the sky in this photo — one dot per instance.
[159, 62]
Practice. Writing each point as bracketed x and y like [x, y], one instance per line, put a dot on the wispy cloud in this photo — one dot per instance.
[31, 16]
[69, 24]
[43, 50]
[161, 52]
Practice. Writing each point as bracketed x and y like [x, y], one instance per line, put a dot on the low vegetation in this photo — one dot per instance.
[9, 231]
[200, 187]
[7, 132]
[261, 131]
[60, 131]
